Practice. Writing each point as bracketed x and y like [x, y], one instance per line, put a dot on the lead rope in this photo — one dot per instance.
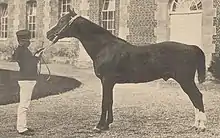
[53, 42]
[48, 69]
[44, 62]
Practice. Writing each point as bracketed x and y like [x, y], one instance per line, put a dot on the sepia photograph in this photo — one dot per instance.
[110, 68]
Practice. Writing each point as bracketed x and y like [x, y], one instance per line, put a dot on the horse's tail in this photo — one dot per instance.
[201, 68]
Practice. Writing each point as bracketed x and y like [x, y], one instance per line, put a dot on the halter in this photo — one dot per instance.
[53, 42]
[69, 23]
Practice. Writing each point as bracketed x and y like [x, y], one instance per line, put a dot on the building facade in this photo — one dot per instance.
[138, 22]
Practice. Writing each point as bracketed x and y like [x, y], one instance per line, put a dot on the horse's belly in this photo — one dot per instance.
[136, 77]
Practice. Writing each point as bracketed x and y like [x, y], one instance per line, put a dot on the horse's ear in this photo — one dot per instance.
[72, 12]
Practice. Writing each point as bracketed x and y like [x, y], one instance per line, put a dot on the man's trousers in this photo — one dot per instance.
[26, 89]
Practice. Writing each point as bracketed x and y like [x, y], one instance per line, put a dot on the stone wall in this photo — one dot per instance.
[142, 22]
[216, 23]
[94, 10]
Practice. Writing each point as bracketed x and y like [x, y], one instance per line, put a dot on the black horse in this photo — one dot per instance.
[117, 61]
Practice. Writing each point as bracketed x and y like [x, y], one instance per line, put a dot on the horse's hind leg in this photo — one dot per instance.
[196, 97]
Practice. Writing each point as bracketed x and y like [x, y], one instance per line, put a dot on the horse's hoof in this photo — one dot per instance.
[105, 128]
[97, 130]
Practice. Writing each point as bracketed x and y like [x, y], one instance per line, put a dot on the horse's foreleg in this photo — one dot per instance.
[110, 112]
[107, 89]
[197, 99]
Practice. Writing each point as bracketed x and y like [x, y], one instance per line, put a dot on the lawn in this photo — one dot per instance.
[150, 110]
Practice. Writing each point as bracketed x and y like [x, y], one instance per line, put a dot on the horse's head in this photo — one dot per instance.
[62, 28]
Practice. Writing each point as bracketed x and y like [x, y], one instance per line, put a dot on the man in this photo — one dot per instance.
[27, 78]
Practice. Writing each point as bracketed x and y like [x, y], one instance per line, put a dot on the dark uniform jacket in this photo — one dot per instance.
[27, 63]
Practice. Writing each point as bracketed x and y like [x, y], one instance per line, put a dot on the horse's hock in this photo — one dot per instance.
[9, 88]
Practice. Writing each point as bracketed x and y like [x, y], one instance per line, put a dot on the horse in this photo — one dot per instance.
[117, 61]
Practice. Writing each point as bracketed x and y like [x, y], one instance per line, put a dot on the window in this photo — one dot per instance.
[31, 17]
[3, 20]
[63, 7]
[108, 15]
[186, 5]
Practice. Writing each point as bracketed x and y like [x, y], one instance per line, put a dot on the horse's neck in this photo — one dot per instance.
[93, 46]
[94, 39]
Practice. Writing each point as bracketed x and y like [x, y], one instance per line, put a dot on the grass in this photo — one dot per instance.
[152, 110]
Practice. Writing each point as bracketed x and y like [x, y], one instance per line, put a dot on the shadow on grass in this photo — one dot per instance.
[9, 88]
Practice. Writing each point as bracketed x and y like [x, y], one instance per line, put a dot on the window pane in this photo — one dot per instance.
[33, 34]
[30, 19]
[6, 34]
[110, 25]
[199, 5]
[29, 27]
[110, 15]
[64, 7]
[33, 19]
[174, 7]
[68, 6]
[106, 4]
[104, 16]
[33, 27]
[193, 7]
[104, 23]
[111, 5]
[113, 31]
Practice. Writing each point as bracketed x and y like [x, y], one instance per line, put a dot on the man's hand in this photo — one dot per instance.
[39, 52]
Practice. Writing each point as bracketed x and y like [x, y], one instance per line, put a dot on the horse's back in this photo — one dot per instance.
[153, 61]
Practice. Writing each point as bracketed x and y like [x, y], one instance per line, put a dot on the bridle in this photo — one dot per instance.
[53, 42]
[69, 23]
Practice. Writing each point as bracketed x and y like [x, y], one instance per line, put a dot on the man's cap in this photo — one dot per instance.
[23, 34]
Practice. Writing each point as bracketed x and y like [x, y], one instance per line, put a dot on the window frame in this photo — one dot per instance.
[31, 13]
[4, 21]
[108, 14]
[61, 13]
[63, 7]
[186, 6]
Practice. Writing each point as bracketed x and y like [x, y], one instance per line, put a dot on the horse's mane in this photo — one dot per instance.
[94, 28]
